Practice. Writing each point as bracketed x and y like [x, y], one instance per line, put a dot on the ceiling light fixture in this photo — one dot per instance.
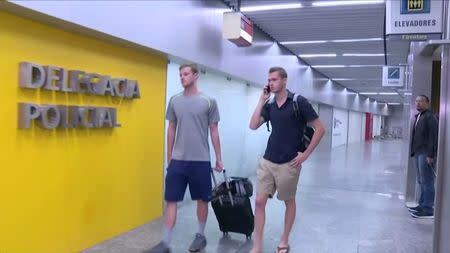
[316, 55]
[388, 93]
[368, 93]
[362, 55]
[354, 79]
[345, 66]
[303, 42]
[357, 40]
[271, 7]
[393, 103]
[342, 3]
[329, 41]
[329, 66]
[364, 66]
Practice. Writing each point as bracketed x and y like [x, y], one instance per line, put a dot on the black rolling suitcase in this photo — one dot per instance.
[231, 204]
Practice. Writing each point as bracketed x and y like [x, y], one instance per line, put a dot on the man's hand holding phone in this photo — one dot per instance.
[266, 92]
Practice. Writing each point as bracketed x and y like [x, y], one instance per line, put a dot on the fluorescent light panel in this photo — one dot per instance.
[393, 103]
[354, 79]
[316, 55]
[342, 3]
[387, 93]
[303, 42]
[362, 55]
[345, 66]
[357, 40]
[329, 66]
[379, 93]
[271, 7]
[334, 55]
[329, 41]
[364, 66]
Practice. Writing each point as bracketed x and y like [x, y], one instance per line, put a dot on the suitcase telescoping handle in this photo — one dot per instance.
[215, 186]
[227, 185]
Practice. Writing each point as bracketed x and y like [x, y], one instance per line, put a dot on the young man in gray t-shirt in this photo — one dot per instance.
[191, 114]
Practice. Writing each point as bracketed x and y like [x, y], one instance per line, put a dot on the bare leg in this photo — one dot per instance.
[289, 218]
[260, 218]
[171, 215]
[202, 215]
[170, 219]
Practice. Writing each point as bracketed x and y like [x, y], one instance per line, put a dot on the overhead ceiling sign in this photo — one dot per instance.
[414, 19]
[237, 29]
[393, 76]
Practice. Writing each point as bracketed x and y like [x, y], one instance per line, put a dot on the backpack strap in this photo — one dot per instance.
[295, 104]
[268, 102]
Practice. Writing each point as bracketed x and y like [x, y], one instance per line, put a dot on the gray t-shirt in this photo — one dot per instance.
[193, 115]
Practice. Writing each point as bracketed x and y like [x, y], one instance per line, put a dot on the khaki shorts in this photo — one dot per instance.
[277, 177]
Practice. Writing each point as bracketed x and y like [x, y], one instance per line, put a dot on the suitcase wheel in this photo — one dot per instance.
[225, 233]
[249, 237]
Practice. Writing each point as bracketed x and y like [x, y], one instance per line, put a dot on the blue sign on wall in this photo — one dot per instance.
[415, 6]
[394, 73]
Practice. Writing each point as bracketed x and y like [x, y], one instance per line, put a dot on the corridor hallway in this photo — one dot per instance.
[349, 201]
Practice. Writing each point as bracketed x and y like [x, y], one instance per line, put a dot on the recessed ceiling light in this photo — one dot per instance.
[345, 66]
[354, 79]
[329, 66]
[329, 41]
[388, 93]
[341, 3]
[303, 42]
[362, 55]
[357, 40]
[271, 7]
[316, 55]
[364, 66]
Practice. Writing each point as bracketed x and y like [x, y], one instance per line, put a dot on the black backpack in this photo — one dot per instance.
[308, 132]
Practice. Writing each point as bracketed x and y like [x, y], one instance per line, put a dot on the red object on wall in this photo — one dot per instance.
[369, 122]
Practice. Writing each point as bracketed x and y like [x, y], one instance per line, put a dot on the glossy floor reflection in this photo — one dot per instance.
[349, 201]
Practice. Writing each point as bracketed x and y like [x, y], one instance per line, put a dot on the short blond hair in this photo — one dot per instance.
[193, 67]
[281, 71]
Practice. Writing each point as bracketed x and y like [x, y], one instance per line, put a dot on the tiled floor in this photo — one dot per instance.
[349, 201]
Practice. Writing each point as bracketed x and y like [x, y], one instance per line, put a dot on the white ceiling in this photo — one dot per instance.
[362, 21]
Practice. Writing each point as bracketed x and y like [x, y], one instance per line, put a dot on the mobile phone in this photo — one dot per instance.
[267, 89]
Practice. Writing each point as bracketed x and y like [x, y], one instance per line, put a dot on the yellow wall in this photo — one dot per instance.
[65, 190]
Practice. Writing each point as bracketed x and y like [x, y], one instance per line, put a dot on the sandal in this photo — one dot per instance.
[284, 249]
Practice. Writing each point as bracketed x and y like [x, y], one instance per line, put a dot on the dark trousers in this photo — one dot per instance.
[425, 178]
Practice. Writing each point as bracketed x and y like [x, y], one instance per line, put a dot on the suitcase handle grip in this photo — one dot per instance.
[227, 185]
[215, 185]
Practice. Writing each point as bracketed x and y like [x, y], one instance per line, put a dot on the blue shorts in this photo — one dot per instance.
[196, 174]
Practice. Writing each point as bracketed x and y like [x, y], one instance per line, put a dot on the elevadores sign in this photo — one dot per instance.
[414, 19]
[35, 76]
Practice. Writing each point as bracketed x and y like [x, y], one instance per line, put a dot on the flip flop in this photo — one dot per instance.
[284, 249]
